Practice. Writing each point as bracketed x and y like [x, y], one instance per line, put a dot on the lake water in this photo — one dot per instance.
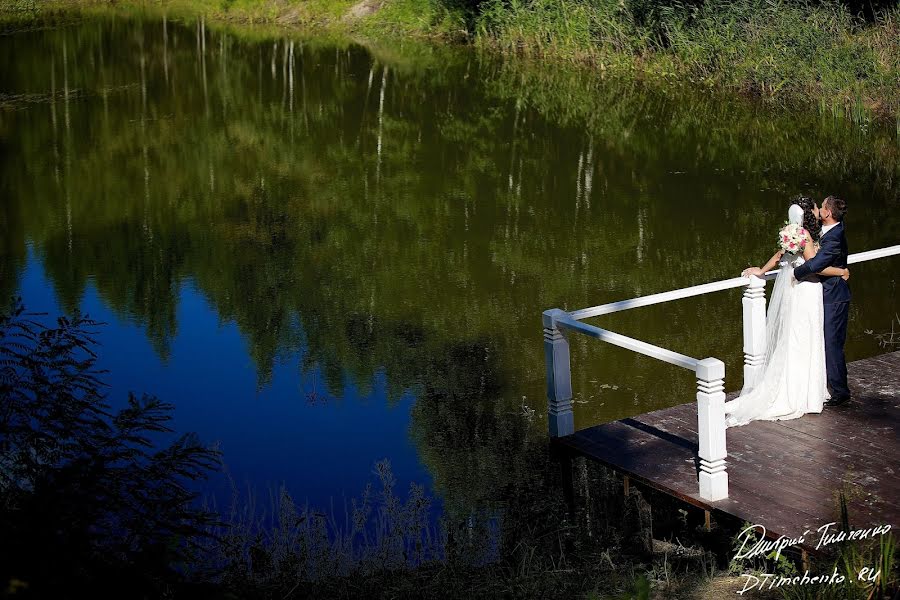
[326, 254]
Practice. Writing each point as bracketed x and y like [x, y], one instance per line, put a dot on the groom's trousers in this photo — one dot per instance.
[836, 317]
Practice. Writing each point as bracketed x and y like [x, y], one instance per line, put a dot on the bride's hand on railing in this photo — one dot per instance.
[752, 271]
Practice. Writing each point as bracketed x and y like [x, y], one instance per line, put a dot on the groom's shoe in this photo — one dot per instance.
[837, 401]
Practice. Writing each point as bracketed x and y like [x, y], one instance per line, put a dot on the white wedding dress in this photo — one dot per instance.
[792, 381]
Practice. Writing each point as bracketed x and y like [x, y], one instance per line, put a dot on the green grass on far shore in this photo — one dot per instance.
[773, 48]
[817, 52]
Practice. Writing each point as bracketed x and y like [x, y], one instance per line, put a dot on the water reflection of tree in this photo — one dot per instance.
[390, 216]
[471, 434]
[309, 192]
[12, 246]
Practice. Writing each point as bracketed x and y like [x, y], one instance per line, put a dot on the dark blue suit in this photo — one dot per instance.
[832, 253]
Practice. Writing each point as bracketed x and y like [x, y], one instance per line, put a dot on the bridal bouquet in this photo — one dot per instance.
[792, 238]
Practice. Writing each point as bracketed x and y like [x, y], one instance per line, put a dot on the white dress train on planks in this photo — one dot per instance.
[792, 381]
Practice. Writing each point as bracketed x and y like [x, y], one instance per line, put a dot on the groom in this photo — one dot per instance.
[832, 253]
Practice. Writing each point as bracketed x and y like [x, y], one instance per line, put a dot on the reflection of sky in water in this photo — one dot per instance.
[321, 451]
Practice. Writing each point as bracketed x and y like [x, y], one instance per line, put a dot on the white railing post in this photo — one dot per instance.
[559, 376]
[754, 304]
[711, 429]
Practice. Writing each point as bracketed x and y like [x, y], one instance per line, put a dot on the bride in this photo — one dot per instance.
[792, 381]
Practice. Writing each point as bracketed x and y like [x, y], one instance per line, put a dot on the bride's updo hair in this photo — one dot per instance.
[810, 222]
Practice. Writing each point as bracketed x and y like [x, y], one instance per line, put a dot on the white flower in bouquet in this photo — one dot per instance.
[792, 238]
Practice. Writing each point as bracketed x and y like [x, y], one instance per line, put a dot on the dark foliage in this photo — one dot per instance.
[90, 501]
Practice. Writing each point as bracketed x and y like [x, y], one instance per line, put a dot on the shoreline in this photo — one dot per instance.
[858, 78]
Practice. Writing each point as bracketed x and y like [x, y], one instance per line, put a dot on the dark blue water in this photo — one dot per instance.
[322, 448]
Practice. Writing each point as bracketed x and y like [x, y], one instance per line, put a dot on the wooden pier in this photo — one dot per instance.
[784, 475]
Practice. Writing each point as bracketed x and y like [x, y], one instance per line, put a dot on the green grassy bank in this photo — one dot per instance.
[838, 55]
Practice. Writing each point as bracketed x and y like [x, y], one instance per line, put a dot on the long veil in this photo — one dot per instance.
[759, 392]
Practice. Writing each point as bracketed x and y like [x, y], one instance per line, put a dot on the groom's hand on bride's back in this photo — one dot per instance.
[825, 257]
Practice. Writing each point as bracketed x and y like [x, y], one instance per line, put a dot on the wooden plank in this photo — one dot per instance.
[779, 516]
[687, 412]
[808, 432]
[812, 489]
[784, 474]
[868, 427]
[660, 459]
[653, 459]
[810, 465]
[854, 426]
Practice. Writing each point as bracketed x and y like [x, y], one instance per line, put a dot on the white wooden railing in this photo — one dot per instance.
[709, 372]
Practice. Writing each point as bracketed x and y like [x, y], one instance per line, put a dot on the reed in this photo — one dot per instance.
[775, 49]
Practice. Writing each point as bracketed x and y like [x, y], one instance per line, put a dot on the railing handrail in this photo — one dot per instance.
[697, 290]
[617, 339]
[873, 254]
[708, 288]
[712, 476]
